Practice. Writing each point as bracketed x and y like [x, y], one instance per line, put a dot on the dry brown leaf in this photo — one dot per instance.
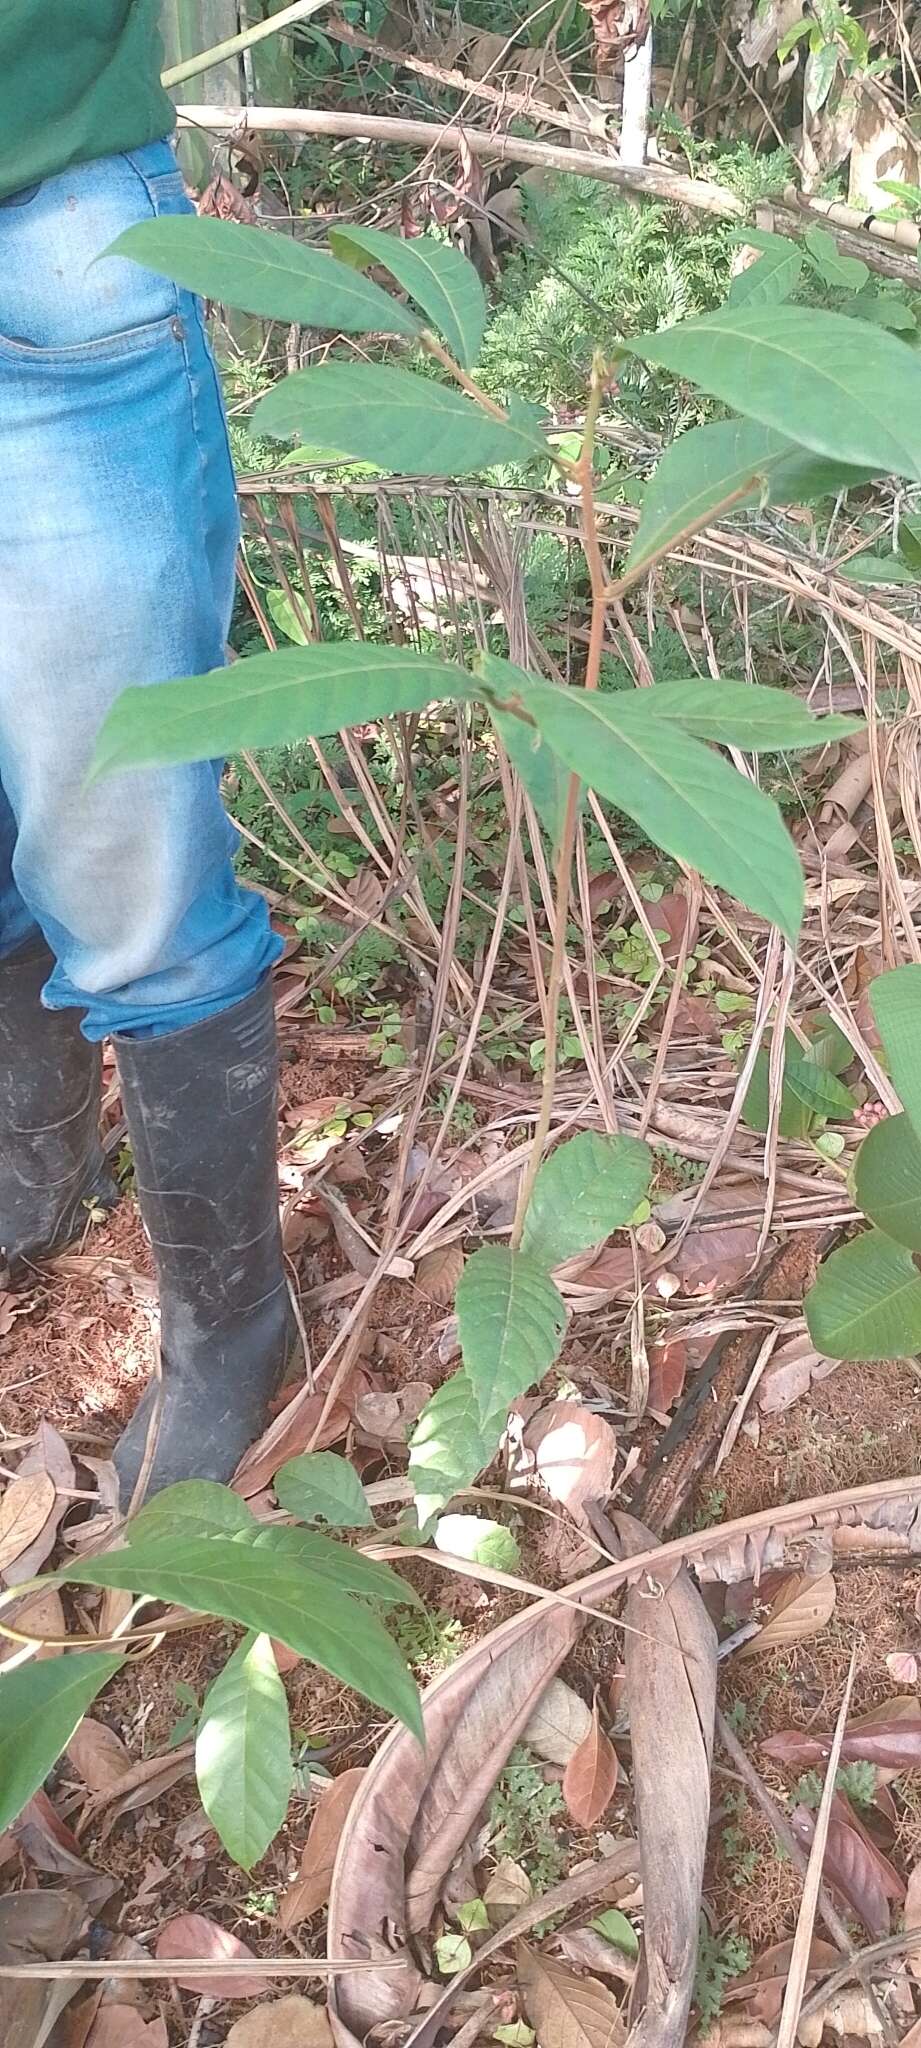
[99, 1755]
[711, 1259]
[590, 1777]
[49, 1454]
[761, 1989]
[668, 1365]
[913, 1919]
[48, 1844]
[292, 2022]
[144, 1783]
[508, 1889]
[290, 1434]
[24, 1510]
[36, 1926]
[572, 1452]
[115, 1605]
[310, 1889]
[892, 1742]
[194, 1936]
[438, 1273]
[39, 1614]
[589, 1949]
[902, 1666]
[861, 1875]
[567, 2011]
[560, 1721]
[387, 1418]
[670, 1660]
[790, 1373]
[122, 2026]
[801, 1609]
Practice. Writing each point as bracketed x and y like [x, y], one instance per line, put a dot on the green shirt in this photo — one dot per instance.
[78, 79]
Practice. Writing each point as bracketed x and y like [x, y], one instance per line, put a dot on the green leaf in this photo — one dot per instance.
[271, 275]
[690, 801]
[895, 1000]
[866, 1301]
[885, 310]
[707, 465]
[349, 1571]
[821, 66]
[510, 1321]
[229, 1578]
[589, 1186]
[616, 1928]
[910, 543]
[795, 1118]
[834, 384]
[243, 1752]
[472, 1916]
[828, 1045]
[483, 1542]
[870, 568]
[898, 188]
[194, 1507]
[393, 417]
[41, 1704]
[319, 1484]
[452, 1953]
[283, 615]
[450, 1445]
[751, 715]
[793, 36]
[438, 277]
[818, 1089]
[887, 1180]
[296, 693]
[769, 281]
[540, 769]
[842, 273]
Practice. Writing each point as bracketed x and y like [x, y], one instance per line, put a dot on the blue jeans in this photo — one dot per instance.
[118, 534]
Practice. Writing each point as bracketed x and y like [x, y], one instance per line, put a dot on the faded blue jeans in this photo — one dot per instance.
[118, 532]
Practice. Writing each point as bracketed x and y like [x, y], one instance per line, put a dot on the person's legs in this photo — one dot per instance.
[116, 567]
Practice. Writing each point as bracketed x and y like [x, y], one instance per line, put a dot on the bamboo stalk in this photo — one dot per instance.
[192, 67]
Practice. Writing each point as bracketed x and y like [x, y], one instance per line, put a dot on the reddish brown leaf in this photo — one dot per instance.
[762, 1988]
[572, 1452]
[194, 1937]
[590, 1776]
[713, 1257]
[668, 1364]
[310, 1889]
[122, 2026]
[24, 1510]
[98, 1754]
[858, 1871]
[894, 1743]
[438, 1273]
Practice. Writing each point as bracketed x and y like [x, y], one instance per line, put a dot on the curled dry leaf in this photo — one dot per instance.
[588, 1948]
[571, 1450]
[438, 1273]
[49, 1845]
[508, 1889]
[761, 1989]
[310, 1889]
[36, 1926]
[99, 1755]
[565, 2010]
[49, 1455]
[24, 1510]
[416, 1807]
[903, 1667]
[387, 1418]
[194, 1936]
[670, 1658]
[292, 2022]
[560, 1721]
[801, 1609]
[793, 1367]
[590, 1776]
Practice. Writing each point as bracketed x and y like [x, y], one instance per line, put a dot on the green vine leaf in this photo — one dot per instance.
[375, 412]
[243, 1752]
[866, 1301]
[450, 1444]
[270, 275]
[887, 1180]
[194, 1507]
[589, 1186]
[510, 1320]
[769, 281]
[437, 276]
[41, 1705]
[320, 1486]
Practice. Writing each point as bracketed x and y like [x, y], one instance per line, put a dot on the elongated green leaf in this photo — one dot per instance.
[895, 1000]
[795, 1119]
[318, 1486]
[842, 273]
[243, 1752]
[821, 1091]
[264, 273]
[840, 386]
[194, 1507]
[871, 569]
[769, 281]
[296, 693]
[589, 1186]
[40, 1706]
[450, 1444]
[545, 778]
[510, 1320]
[438, 277]
[749, 715]
[866, 1301]
[689, 800]
[336, 1565]
[887, 1180]
[707, 465]
[393, 417]
[233, 1579]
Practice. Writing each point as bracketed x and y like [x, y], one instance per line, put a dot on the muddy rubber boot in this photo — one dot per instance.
[200, 1107]
[52, 1165]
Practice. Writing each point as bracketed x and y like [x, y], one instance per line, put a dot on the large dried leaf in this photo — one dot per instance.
[194, 1936]
[857, 1870]
[36, 1926]
[508, 1889]
[24, 1510]
[572, 1452]
[567, 2011]
[894, 1743]
[670, 1659]
[590, 1776]
[310, 1889]
[801, 1609]
[37, 1614]
[123, 2026]
[292, 2022]
[99, 1755]
[439, 1271]
[416, 1808]
[49, 1454]
[49, 1845]
[560, 1722]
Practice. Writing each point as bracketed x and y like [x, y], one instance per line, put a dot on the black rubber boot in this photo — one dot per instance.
[52, 1164]
[200, 1107]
